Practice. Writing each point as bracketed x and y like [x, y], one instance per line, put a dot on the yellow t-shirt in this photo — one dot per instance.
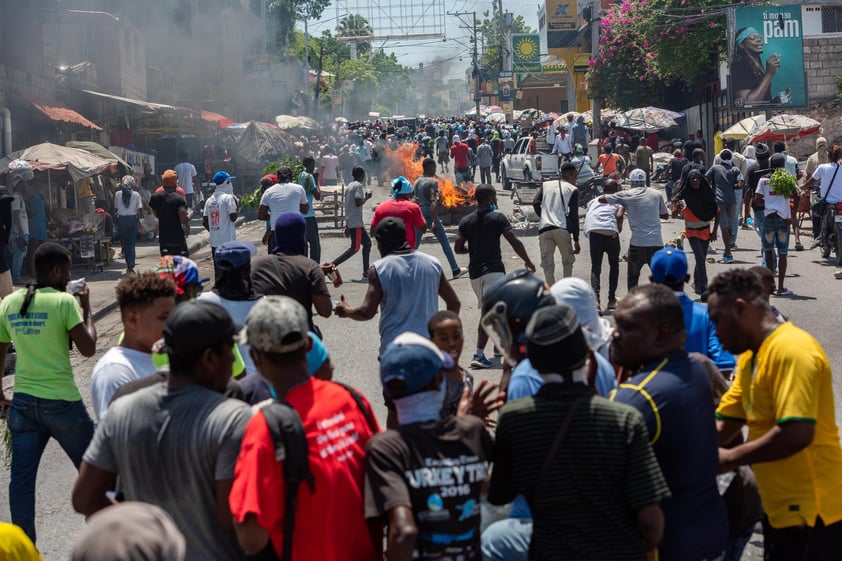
[791, 381]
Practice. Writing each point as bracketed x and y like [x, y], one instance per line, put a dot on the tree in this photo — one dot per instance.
[282, 15]
[646, 45]
[354, 25]
[489, 32]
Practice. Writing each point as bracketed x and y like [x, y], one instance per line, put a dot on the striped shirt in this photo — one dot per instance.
[602, 474]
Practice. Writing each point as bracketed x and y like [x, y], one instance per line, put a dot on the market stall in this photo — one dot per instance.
[69, 179]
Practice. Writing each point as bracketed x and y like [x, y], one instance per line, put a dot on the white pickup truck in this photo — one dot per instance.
[523, 170]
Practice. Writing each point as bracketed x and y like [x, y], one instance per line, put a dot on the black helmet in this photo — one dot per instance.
[508, 304]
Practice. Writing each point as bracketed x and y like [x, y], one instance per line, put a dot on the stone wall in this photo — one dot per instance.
[822, 63]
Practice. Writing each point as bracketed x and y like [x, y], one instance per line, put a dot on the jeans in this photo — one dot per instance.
[313, 238]
[462, 175]
[738, 193]
[18, 254]
[610, 246]
[507, 540]
[127, 230]
[760, 228]
[441, 236]
[700, 273]
[802, 543]
[32, 421]
[638, 257]
[359, 238]
[485, 175]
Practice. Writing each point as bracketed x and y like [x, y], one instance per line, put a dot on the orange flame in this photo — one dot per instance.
[402, 162]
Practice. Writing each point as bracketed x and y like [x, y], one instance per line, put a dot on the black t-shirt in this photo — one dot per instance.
[437, 471]
[676, 165]
[296, 276]
[483, 229]
[689, 147]
[166, 205]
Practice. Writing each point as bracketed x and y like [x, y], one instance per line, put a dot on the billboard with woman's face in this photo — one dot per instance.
[766, 58]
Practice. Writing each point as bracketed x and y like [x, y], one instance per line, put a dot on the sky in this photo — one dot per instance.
[444, 55]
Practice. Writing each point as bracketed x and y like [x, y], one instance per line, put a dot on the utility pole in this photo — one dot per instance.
[501, 45]
[475, 72]
[306, 64]
[597, 103]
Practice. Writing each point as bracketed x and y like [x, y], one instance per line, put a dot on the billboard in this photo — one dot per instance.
[766, 58]
[561, 15]
[526, 52]
[506, 87]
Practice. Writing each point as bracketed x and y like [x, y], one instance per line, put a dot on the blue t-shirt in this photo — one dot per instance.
[674, 395]
[36, 210]
[525, 382]
[701, 334]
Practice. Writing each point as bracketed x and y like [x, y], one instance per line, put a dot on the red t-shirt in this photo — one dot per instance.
[330, 524]
[459, 153]
[178, 190]
[407, 211]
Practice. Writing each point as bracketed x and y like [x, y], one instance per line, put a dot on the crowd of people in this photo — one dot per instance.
[607, 442]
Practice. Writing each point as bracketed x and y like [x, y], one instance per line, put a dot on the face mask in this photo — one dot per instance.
[422, 406]
[493, 208]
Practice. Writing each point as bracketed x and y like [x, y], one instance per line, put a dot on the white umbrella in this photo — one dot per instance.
[743, 128]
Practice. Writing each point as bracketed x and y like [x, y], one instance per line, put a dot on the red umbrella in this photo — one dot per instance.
[784, 127]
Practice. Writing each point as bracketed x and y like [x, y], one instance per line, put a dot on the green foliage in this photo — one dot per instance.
[489, 31]
[252, 200]
[783, 183]
[648, 44]
[282, 16]
[354, 25]
[838, 86]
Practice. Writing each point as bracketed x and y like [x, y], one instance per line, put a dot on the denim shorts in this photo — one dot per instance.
[775, 234]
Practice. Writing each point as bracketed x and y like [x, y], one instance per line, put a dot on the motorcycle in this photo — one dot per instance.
[831, 232]
[589, 190]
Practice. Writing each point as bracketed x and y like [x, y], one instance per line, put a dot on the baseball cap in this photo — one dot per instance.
[554, 333]
[233, 255]
[400, 186]
[182, 270]
[413, 360]
[221, 177]
[456, 139]
[169, 178]
[276, 324]
[196, 325]
[821, 141]
[637, 176]
[668, 266]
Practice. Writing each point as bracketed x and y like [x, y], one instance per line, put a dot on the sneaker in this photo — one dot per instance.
[612, 304]
[799, 246]
[727, 259]
[784, 292]
[479, 361]
[712, 250]
[815, 242]
[459, 272]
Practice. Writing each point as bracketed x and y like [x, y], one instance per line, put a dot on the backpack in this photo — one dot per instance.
[291, 448]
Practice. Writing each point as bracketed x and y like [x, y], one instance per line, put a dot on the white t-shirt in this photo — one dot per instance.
[135, 204]
[218, 210]
[186, 172]
[283, 197]
[19, 205]
[601, 218]
[329, 164]
[116, 367]
[774, 203]
[824, 173]
[238, 310]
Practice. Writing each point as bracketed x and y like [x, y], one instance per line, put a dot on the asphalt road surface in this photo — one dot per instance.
[353, 346]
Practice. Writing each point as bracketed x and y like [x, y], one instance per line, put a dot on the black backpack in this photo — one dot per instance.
[291, 448]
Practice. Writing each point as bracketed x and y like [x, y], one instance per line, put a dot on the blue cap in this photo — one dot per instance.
[233, 255]
[401, 186]
[413, 360]
[221, 177]
[669, 266]
[317, 355]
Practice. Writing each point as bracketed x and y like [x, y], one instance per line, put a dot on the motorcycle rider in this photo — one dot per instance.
[584, 167]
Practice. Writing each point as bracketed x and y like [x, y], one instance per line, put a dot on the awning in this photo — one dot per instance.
[222, 120]
[137, 102]
[64, 114]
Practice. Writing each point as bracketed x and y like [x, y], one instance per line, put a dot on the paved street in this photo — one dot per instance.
[353, 345]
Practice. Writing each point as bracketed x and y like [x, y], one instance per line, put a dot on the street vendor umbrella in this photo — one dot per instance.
[647, 119]
[494, 109]
[262, 143]
[78, 163]
[99, 150]
[605, 115]
[784, 127]
[497, 118]
[562, 119]
[744, 128]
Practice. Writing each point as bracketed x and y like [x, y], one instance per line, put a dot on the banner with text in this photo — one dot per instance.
[766, 58]
[526, 52]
